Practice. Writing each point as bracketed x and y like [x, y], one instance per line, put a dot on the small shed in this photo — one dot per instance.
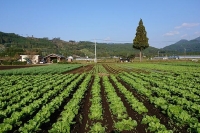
[51, 57]
[70, 59]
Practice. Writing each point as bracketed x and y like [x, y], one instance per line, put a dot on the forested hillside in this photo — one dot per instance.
[182, 46]
[12, 45]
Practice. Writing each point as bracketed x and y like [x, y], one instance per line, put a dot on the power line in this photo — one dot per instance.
[128, 41]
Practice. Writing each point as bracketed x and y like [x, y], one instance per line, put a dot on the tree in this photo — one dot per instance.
[140, 41]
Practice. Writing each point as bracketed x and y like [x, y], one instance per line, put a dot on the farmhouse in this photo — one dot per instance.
[29, 58]
[70, 59]
[53, 57]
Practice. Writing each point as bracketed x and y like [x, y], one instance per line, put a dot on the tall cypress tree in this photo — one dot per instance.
[140, 41]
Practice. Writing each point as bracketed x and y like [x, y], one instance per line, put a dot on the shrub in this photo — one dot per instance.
[6, 63]
[13, 63]
[19, 63]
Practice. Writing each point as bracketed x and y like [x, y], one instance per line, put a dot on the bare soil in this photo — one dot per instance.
[110, 69]
[83, 122]
[82, 69]
[132, 113]
[152, 110]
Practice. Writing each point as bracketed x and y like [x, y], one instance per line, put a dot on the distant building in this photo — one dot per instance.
[174, 57]
[70, 59]
[189, 57]
[160, 58]
[30, 58]
[49, 58]
[84, 59]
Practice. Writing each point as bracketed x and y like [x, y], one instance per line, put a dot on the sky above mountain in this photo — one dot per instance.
[111, 21]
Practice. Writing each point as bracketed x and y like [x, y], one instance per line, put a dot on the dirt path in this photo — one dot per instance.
[81, 69]
[111, 69]
[107, 119]
[83, 123]
[131, 113]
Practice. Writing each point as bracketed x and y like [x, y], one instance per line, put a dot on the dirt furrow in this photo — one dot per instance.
[152, 110]
[131, 113]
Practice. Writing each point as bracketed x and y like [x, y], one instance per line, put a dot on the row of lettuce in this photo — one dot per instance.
[39, 70]
[98, 68]
[172, 67]
[178, 99]
[22, 99]
[175, 94]
[45, 97]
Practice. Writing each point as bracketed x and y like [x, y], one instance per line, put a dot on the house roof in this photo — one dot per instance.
[54, 55]
[70, 57]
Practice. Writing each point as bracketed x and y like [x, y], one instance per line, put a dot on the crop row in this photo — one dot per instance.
[70, 109]
[175, 112]
[96, 109]
[98, 68]
[119, 114]
[177, 95]
[26, 85]
[34, 94]
[165, 67]
[18, 116]
[153, 123]
[39, 70]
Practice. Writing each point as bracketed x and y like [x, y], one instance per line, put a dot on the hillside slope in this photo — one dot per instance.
[191, 46]
[12, 44]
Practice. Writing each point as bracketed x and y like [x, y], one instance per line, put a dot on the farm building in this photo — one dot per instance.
[84, 59]
[189, 57]
[51, 57]
[70, 59]
[160, 58]
[29, 58]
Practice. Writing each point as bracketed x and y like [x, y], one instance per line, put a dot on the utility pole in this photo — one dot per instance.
[158, 53]
[95, 53]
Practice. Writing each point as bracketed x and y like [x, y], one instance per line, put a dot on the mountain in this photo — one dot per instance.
[183, 46]
[12, 45]
[198, 38]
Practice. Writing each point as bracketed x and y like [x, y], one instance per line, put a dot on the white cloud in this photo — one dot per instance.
[187, 25]
[171, 33]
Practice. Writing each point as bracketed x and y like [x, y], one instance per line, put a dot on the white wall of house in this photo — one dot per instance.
[33, 58]
[70, 59]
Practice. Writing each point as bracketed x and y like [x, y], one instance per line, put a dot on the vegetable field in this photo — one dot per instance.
[101, 98]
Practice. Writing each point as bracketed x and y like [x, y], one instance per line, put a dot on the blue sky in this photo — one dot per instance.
[166, 21]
